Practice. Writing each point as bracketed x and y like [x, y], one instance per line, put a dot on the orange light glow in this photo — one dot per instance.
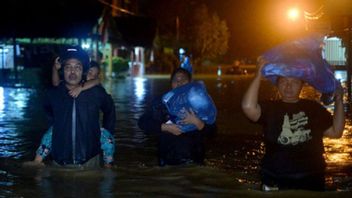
[293, 14]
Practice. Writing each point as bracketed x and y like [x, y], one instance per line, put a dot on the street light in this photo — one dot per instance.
[293, 14]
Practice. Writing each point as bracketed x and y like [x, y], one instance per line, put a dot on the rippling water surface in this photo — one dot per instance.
[232, 163]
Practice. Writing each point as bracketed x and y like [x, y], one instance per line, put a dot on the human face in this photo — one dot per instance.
[179, 79]
[289, 88]
[93, 73]
[73, 70]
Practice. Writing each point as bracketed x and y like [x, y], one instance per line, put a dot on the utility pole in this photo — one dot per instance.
[348, 44]
[177, 30]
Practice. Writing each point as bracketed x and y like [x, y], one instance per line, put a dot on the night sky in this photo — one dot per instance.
[255, 25]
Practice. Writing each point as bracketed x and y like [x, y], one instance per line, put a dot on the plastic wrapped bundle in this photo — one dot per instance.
[190, 96]
[302, 59]
[186, 64]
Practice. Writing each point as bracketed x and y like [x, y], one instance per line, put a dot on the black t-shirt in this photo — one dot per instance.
[293, 134]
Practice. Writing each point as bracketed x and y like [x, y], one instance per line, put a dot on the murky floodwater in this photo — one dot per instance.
[232, 162]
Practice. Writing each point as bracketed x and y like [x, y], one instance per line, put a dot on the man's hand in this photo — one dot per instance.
[191, 118]
[260, 64]
[57, 64]
[171, 128]
[75, 92]
[339, 93]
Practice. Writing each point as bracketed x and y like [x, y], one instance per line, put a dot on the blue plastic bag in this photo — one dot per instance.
[302, 59]
[186, 64]
[190, 96]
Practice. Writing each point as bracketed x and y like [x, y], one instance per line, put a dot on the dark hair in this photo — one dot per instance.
[94, 64]
[75, 52]
[279, 77]
[181, 70]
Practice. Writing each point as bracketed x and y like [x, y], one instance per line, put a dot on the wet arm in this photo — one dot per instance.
[87, 85]
[206, 129]
[336, 130]
[55, 78]
[191, 118]
[250, 105]
[90, 83]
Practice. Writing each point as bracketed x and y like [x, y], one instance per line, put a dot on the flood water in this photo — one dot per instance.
[232, 162]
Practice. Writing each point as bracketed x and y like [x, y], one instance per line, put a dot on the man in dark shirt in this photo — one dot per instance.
[75, 121]
[293, 134]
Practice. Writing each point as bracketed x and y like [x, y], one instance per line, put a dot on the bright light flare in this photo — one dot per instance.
[293, 14]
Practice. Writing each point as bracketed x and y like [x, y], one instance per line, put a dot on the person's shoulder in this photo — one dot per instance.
[97, 88]
[55, 89]
[100, 91]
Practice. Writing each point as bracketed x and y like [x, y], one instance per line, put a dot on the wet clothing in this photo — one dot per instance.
[76, 128]
[293, 136]
[174, 150]
[107, 142]
[94, 162]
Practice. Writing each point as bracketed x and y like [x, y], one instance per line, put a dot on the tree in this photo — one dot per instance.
[211, 35]
[203, 34]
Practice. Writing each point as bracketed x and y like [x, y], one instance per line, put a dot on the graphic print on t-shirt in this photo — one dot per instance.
[293, 130]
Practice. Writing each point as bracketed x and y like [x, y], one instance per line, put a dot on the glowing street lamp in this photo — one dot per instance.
[293, 14]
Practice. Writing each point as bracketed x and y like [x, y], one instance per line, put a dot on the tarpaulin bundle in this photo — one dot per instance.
[301, 58]
[190, 96]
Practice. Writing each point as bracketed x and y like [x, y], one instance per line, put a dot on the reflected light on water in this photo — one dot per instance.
[338, 151]
[139, 88]
[13, 103]
[2, 102]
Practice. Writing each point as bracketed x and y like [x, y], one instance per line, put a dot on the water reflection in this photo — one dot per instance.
[12, 102]
[233, 157]
[338, 151]
[2, 102]
[12, 109]
[75, 183]
[139, 88]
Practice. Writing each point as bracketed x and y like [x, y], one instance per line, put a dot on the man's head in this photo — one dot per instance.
[94, 71]
[289, 88]
[180, 77]
[75, 62]
[73, 71]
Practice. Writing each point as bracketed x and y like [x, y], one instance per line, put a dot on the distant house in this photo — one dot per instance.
[130, 37]
[32, 33]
